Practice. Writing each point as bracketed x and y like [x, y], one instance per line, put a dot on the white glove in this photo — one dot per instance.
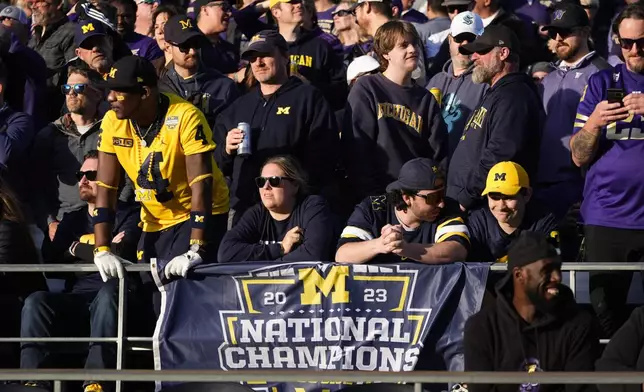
[109, 265]
[180, 265]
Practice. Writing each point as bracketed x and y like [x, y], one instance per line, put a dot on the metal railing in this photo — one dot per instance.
[120, 340]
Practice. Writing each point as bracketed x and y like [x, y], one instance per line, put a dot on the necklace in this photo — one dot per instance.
[138, 132]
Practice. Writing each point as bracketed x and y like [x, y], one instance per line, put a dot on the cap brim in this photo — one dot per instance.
[508, 190]
[88, 36]
[474, 47]
[448, 3]
[393, 186]
[187, 36]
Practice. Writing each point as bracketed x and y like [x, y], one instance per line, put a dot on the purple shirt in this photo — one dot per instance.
[143, 46]
[414, 16]
[614, 189]
[325, 20]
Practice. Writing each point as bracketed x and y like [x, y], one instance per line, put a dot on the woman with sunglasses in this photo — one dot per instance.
[286, 225]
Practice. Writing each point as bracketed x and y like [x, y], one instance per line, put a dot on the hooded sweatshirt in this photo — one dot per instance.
[294, 120]
[386, 125]
[498, 339]
[505, 126]
[458, 96]
[208, 89]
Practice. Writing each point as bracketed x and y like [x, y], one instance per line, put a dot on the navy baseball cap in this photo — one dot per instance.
[180, 29]
[417, 174]
[495, 36]
[264, 42]
[88, 28]
[131, 73]
[529, 247]
[568, 16]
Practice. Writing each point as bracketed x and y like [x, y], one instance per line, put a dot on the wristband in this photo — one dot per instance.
[197, 242]
[200, 178]
[103, 215]
[104, 185]
[102, 249]
[197, 220]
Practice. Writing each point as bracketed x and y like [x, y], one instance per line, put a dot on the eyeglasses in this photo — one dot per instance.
[78, 88]
[433, 198]
[627, 43]
[90, 175]
[342, 13]
[274, 181]
[459, 39]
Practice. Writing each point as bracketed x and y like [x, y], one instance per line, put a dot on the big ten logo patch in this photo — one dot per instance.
[323, 316]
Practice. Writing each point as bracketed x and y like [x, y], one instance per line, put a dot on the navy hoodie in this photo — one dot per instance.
[295, 120]
[498, 339]
[208, 90]
[386, 125]
[505, 126]
[257, 236]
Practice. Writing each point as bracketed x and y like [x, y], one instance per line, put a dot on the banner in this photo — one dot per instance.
[313, 315]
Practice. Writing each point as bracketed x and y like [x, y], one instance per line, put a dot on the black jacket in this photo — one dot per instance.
[505, 126]
[624, 352]
[295, 120]
[498, 339]
[257, 236]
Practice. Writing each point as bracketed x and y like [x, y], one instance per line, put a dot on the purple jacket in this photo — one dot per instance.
[143, 46]
[414, 16]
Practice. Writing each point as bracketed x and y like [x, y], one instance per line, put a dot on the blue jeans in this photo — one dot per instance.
[80, 314]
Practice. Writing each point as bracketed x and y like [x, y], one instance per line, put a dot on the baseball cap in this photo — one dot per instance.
[466, 22]
[88, 28]
[14, 12]
[495, 36]
[507, 178]
[568, 16]
[529, 247]
[180, 29]
[356, 4]
[273, 3]
[131, 73]
[456, 2]
[417, 174]
[361, 65]
[264, 42]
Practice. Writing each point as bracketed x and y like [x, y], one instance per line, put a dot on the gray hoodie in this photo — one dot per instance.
[458, 96]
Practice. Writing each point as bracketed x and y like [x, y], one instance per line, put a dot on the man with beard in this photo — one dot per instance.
[607, 141]
[388, 119]
[205, 88]
[94, 46]
[559, 182]
[60, 147]
[286, 117]
[505, 126]
[139, 44]
[511, 212]
[53, 39]
[410, 221]
[534, 325]
[454, 89]
[86, 301]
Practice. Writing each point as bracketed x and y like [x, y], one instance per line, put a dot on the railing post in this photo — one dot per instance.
[58, 386]
[573, 283]
[120, 327]
[418, 387]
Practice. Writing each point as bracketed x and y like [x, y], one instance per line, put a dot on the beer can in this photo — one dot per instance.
[244, 146]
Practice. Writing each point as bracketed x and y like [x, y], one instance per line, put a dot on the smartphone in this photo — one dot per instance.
[615, 95]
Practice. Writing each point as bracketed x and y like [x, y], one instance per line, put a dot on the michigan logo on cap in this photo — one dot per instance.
[499, 176]
[185, 24]
[87, 28]
[112, 73]
[558, 14]
[435, 169]
[257, 38]
[140, 80]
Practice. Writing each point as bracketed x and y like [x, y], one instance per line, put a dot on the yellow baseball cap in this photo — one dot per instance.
[507, 178]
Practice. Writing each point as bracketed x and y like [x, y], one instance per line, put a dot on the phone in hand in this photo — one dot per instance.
[615, 95]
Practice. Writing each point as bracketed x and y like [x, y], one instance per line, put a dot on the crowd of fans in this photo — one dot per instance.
[295, 130]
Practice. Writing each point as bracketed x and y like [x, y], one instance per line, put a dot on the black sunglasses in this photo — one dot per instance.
[90, 175]
[459, 39]
[627, 43]
[433, 198]
[78, 88]
[563, 33]
[343, 13]
[226, 7]
[274, 181]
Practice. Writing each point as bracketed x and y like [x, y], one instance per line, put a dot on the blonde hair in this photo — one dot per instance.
[293, 170]
[388, 35]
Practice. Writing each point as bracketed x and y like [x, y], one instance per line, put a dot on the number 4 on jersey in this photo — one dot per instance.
[150, 169]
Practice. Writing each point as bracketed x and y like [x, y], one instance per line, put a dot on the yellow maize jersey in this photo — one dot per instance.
[158, 170]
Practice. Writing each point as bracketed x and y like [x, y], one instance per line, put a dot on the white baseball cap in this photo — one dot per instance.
[361, 65]
[467, 22]
[14, 12]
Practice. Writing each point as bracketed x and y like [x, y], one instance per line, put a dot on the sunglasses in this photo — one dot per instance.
[223, 5]
[459, 39]
[563, 33]
[433, 198]
[627, 43]
[78, 88]
[342, 13]
[274, 181]
[191, 44]
[500, 196]
[90, 175]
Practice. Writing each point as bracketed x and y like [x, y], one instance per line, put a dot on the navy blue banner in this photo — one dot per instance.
[309, 315]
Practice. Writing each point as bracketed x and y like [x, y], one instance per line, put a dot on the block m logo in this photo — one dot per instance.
[283, 110]
[315, 285]
[499, 176]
